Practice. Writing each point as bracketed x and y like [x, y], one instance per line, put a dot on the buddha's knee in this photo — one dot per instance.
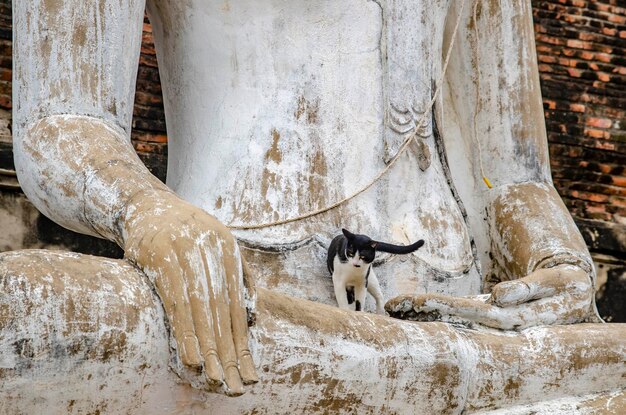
[77, 331]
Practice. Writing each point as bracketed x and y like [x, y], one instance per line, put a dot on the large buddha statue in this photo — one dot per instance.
[277, 110]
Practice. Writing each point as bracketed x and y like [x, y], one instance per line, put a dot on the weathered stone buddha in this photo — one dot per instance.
[276, 109]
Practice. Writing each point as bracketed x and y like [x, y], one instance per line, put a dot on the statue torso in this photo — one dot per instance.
[278, 108]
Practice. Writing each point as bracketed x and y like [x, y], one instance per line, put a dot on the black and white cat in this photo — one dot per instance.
[349, 261]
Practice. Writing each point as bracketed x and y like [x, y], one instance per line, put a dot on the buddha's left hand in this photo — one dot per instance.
[559, 295]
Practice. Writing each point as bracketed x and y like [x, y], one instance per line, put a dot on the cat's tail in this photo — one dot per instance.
[398, 249]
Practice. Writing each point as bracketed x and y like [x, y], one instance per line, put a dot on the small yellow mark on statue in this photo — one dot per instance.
[487, 182]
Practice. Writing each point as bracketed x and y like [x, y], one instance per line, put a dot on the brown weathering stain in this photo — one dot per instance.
[274, 153]
[511, 388]
[80, 35]
[446, 379]
[270, 179]
[219, 202]
[313, 195]
[307, 110]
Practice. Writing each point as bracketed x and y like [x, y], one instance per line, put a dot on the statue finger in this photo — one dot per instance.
[171, 288]
[197, 288]
[234, 267]
[215, 276]
[542, 283]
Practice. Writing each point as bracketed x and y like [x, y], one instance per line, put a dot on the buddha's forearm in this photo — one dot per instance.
[530, 226]
[81, 172]
[74, 83]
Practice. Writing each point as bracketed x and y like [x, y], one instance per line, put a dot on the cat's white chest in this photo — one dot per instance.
[362, 279]
[348, 273]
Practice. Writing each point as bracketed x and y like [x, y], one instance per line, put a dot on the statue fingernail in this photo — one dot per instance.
[511, 294]
[212, 368]
[234, 386]
[246, 369]
[190, 351]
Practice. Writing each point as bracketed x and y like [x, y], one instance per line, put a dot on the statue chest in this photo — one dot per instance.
[275, 112]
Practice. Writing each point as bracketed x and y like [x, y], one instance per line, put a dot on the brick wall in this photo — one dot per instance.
[581, 48]
[148, 136]
[6, 52]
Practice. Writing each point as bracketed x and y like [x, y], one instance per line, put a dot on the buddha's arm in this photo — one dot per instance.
[528, 221]
[530, 227]
[74, 80]
[493, 88]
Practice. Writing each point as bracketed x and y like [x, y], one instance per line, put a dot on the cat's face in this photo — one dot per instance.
[360, 249]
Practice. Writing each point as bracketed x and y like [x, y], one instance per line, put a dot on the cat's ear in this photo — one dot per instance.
[374, 244]
[347, 233]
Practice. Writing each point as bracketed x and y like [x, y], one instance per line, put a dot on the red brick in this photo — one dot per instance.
[591, 197]
[544, 68]
[569, 52]
[587, 36]
[604, 57]
[574, 73]
[144, 147]
[587, 55]
[573, 43]
[599, 122]
[549, 39]
[596, 133]
[153, 138]
[546, 49]
[5, 102]
[567, 62]
[147, 99]
[5, 74]
[577, 107]
[609, 31]
[549, 103]
[547, 59]
[604, 77]
[617, 19]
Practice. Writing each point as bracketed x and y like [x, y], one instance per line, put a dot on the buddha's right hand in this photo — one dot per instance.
[197, 269]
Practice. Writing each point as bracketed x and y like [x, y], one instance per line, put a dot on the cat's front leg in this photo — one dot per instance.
[340, 291]
[359, 294]
[374, 289]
